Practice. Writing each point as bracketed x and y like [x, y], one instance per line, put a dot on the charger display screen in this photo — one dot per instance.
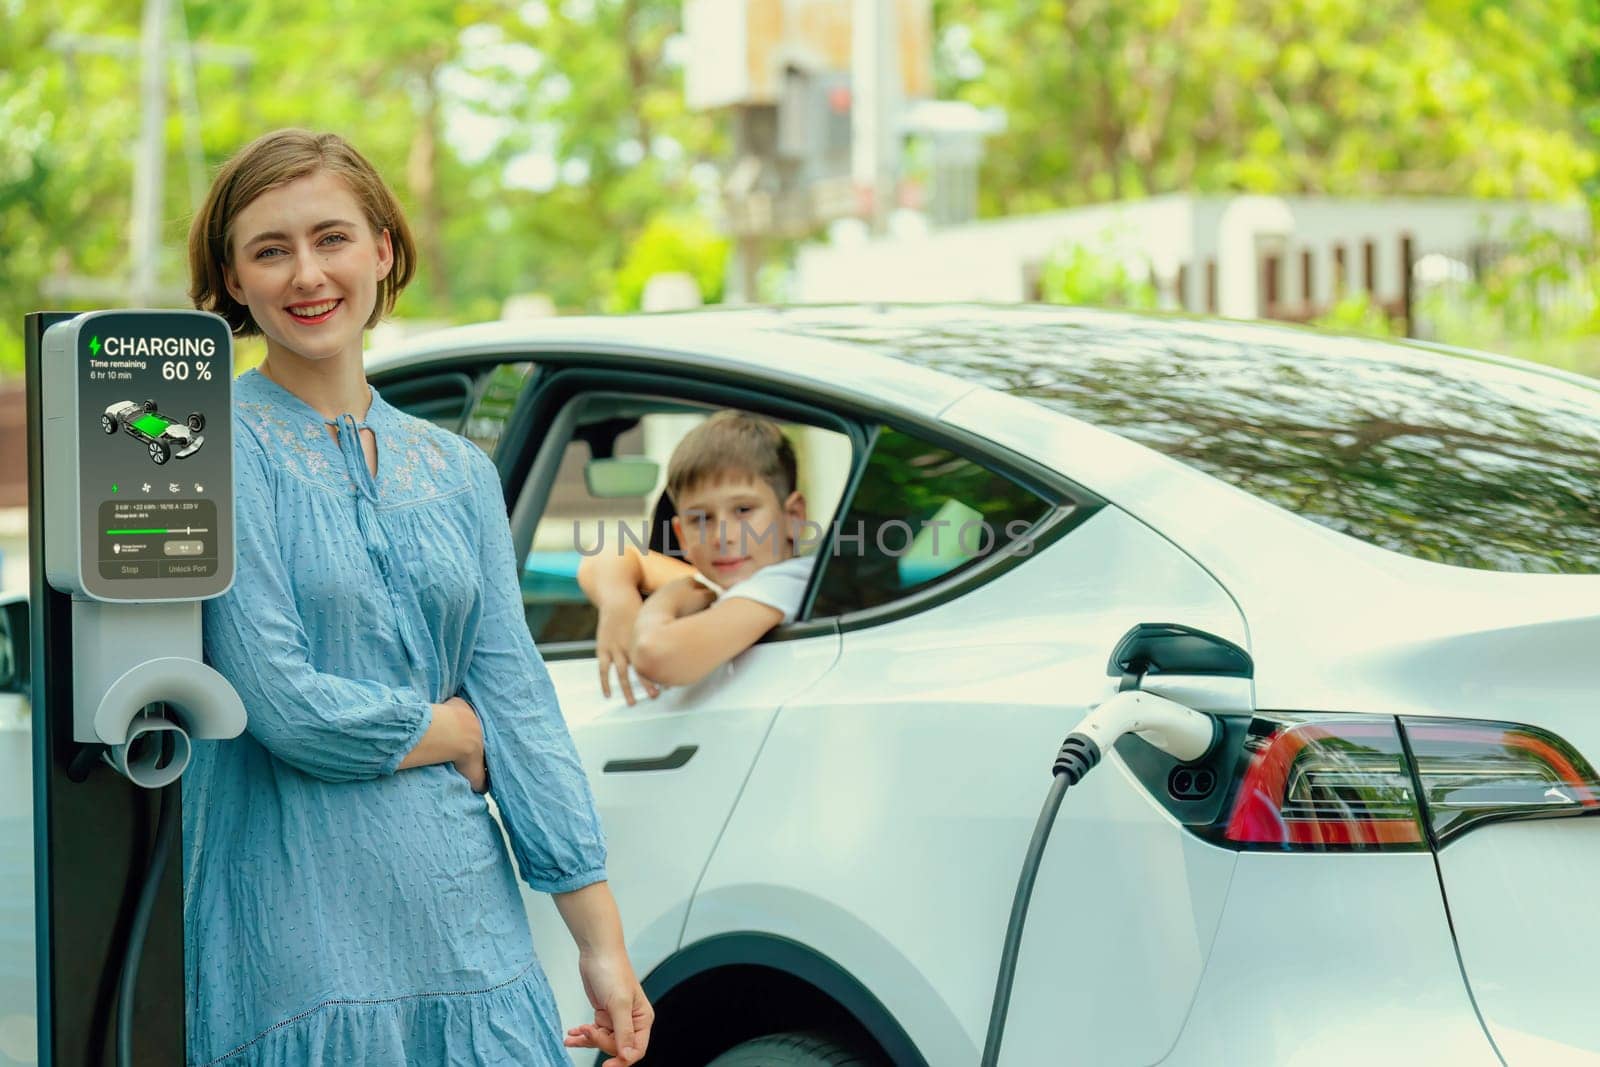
[155, 455]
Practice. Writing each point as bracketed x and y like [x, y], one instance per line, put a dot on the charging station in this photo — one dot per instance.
[130, 473]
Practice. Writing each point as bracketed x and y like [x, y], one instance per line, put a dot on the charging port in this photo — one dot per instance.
[1191, 783]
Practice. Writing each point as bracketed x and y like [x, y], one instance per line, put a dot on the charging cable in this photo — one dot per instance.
[1183, 733]
[166, 830]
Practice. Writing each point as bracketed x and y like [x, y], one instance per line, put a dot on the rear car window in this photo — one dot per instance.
[1434, 455]
[919, 513]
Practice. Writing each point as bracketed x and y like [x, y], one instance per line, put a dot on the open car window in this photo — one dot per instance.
[609, 487]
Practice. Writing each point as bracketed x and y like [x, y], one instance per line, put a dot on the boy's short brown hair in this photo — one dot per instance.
[733, 443]
[276, 159]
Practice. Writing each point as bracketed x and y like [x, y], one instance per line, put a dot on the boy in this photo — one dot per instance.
[732, 482]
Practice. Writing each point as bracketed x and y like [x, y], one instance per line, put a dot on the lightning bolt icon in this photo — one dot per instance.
[94, 346]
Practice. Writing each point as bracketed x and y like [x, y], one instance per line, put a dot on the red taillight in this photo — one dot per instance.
[1472, 772]
[1338, 782]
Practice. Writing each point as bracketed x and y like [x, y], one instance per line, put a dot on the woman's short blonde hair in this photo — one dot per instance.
[276, 159]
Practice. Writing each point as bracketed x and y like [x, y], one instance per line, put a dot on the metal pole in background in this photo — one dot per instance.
[149, 171]
[875, 107]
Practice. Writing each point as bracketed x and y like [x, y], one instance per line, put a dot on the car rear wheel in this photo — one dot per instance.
[159, 452]
[149, 406]
[793, 1049]
[108, 423]
[195, 421]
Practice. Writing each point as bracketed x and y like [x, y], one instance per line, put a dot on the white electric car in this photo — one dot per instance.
[1388, 858]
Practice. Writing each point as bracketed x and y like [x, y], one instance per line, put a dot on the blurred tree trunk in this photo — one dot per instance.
[638, 69]
[422, 174]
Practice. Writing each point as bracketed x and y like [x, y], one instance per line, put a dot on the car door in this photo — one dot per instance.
[18, 993]
[892, 806]
[665, 771]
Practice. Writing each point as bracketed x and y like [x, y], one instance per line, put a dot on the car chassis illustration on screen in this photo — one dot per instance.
[165, 437]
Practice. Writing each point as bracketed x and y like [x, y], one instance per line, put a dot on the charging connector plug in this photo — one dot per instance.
[1077, 757]
[1183, 733]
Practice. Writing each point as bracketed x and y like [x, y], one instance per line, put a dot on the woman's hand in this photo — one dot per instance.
[622, 1013]
[469, 731]
[454, 736]
[611, 643]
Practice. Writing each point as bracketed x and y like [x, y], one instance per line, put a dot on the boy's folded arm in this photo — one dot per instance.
[604, 575]
[681, 651]
[609, 573]
[659, 569]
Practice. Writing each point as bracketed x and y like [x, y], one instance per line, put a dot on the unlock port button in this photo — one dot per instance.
[184, 548]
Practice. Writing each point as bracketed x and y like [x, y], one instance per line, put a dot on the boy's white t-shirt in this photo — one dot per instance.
[780, 585]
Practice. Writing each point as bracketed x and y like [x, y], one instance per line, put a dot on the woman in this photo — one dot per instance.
[348, 898]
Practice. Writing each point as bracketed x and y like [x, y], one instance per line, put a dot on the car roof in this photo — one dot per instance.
[743, 335]
[745, 341]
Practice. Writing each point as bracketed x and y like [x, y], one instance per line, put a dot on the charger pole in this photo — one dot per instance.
[92, 838]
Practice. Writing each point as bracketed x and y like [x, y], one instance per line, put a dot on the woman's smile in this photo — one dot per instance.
[312, 313]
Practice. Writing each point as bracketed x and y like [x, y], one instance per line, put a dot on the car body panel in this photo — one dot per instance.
[18, 978]
[924, 756]
[1333, 959]
[661, 825]
[1519, 899]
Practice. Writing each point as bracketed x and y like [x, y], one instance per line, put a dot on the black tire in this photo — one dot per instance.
[195, 421]
[159, 452]
[149, 406]
[793, 1049]
[108, 423]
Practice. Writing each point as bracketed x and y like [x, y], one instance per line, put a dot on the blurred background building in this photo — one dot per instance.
[821, 97]
[1289, 258]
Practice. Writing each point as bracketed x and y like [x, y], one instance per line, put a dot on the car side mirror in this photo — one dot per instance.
[14, 651]
[629, 476]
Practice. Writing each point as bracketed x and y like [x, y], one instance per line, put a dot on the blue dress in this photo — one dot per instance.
[336, 911]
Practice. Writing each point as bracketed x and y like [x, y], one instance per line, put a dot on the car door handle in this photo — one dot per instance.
[670, 762]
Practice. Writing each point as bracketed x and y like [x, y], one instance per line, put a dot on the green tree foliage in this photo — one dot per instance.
[687, 244]
[63, 186]
[1108, 99]
[1358, 313]
[581, 144]
[533, 141]
[1540, 299]
[1078, 274]
[606, 104]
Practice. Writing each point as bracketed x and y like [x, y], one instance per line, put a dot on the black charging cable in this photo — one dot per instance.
[1077, 757]
[1179, 731]
[167, 823]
